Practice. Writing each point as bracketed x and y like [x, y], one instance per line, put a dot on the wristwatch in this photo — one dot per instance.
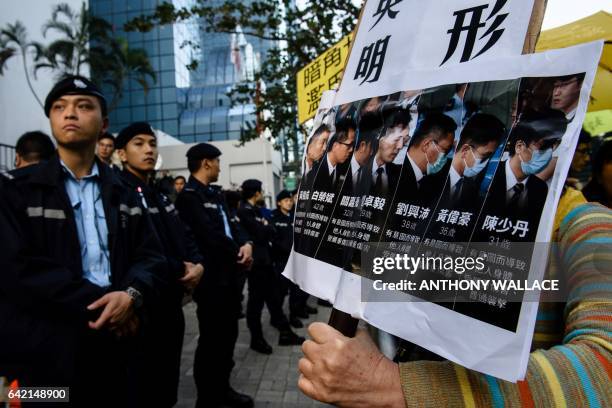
[135, 295]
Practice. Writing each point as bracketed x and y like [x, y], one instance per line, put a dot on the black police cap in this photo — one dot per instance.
[282, 195]
[131, 131]
[203, 151]
[74, 85]
[251, 185]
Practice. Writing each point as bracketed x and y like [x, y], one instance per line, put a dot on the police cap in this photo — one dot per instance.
[74, 85]
[203, 151]
[131, 131]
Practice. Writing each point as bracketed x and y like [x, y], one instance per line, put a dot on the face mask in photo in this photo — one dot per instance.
[479, 165]
[436, 166]
[539, 160]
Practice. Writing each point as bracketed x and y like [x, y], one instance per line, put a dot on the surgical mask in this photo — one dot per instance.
[433, 168]
[539, 160]
[479, 165]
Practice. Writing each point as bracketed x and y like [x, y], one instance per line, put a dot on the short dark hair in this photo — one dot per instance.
[536, 125]
[180, 178]
[107, 135]
[397, 117]
[602, 157]
[437, 123]
[35, 146]
[481, 129]
[579, 77]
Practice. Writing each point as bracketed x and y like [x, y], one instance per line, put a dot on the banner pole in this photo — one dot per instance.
[339, 320]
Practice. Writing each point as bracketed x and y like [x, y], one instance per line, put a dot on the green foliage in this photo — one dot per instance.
[302, 33]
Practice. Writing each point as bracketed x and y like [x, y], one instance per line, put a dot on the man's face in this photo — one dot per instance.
[286, 204]
[105, 149]
[526, 152]
[565, 94]
[433, 149]
[390, 145]
[179, 185]
[140, 153]
[581, 157]
[76, 120]
[484, 152]
[317, 146]
[213, 167]
[341, 151]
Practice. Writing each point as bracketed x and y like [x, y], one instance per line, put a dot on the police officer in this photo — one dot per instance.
[282, 221]
[226, 249]
[156, 365]
[81, 262]
[263, 282]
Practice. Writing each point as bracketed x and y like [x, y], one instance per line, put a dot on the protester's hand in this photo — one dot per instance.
[572, 182]
[193, 274]
[128, 328]
[117, 309]
[245, 255]
[349, 372]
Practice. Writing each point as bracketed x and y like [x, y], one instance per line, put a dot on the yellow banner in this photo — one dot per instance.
[320, 75]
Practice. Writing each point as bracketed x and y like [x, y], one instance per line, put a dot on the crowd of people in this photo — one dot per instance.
[102, 257]
[99, 259]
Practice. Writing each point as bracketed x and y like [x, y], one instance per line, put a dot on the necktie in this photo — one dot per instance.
[333, 178]
[457, 190]
[517, 190]
[379, 182]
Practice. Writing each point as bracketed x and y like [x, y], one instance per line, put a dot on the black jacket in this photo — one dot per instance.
[43, 294]
[177, 239]
[200, 207]
[283, 237]
[260, 232]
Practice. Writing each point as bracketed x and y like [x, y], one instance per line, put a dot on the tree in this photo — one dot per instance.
[13, 42]
[302, 33]
[84, 41]
[87, 40]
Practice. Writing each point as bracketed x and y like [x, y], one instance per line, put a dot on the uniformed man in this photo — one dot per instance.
[157, 363]
[263, 282]
[33, 147]
[226, 249]
[282, 222]
[81, 262]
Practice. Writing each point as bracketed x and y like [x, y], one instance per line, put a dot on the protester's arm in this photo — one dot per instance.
[574, 373]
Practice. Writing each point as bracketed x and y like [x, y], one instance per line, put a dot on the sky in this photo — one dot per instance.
[560, 12]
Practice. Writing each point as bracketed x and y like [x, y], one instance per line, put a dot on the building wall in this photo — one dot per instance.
[237, 164]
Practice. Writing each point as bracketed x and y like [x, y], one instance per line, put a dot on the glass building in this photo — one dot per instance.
[192, 106]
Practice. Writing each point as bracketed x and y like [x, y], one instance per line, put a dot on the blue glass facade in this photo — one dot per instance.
[192, 106]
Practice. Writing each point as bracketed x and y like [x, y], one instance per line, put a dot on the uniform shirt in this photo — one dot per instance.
[86, 202]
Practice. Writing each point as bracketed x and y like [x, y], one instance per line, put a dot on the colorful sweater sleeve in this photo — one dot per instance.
[575, 373]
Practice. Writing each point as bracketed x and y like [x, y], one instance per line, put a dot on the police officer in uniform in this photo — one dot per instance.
[226, 249]
[263, 282]
[156, 365]
[82, 261]
[282, 222]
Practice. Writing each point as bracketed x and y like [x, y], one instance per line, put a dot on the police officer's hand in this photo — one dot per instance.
[347, 371]
[245, 255]
[128, 328]
[193, 274]
[117, 309]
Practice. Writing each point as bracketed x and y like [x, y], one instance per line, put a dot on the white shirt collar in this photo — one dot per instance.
[418, 174]
[329, 165]
[511, 178]
[570, 115]
[375, 167]
[354, 165]
[454, 176]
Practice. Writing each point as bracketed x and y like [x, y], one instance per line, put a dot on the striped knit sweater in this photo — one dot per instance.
[571, 359]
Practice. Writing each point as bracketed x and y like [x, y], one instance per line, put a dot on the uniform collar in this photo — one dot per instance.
[51, 172]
